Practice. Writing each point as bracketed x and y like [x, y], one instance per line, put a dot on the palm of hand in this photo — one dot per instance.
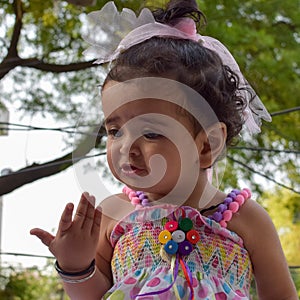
[75, 243]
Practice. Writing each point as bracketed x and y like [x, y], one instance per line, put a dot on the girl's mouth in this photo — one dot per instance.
[130, 170]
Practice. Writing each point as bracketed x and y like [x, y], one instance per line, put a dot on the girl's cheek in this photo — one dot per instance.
[112, 167]
[112, 159]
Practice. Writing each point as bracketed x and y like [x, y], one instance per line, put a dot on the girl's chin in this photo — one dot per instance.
[132, 179]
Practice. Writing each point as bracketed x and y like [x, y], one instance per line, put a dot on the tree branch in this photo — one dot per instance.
[82, 2]
[10, 63]
[12, 57]
[54, 68]
[14, 180]
[12, 50]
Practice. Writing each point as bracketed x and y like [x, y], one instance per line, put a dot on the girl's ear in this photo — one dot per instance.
[210, 143]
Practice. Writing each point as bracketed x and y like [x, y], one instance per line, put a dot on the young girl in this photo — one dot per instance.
[172, 104]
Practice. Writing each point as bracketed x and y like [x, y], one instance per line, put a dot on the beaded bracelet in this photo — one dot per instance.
[65, 276]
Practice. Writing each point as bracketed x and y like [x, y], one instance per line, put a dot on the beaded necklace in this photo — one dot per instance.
[225, 210]
[137, 198]
[231, 204]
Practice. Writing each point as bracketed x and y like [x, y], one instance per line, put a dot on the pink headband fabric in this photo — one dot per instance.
[113, 32]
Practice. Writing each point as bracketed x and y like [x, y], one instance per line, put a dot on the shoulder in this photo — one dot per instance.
[254, 225]
[250, 218]
[114, 208]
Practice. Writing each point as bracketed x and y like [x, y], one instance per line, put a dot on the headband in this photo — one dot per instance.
[112, 32]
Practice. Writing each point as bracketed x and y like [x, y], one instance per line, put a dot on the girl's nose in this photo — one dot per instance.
[130, 146]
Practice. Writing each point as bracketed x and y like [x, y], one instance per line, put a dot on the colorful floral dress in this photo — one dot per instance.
[217, 265]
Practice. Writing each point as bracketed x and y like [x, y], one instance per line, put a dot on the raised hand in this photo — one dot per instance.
[75, 243]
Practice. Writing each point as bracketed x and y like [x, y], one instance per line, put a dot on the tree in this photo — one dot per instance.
[262, 35]
[284, 209]
[30, 284]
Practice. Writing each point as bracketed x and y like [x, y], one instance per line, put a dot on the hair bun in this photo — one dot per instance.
[178, 9]
[182, 3]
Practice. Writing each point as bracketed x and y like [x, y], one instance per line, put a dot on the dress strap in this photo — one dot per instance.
[231, 204]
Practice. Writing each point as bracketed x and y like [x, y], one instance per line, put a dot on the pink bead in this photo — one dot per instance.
[227, 215]
[125, 189]
[240, 199]
[223, 224]
[245, 194]
[248, 191]
[131, 194]
[234, 207]
[135, 200]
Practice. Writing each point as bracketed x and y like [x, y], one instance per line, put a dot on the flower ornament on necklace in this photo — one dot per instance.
[111, 32]
[178, 237]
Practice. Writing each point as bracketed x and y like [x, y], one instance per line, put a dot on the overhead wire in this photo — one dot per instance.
[285, 111]
[26, 254]
[260, 149]
[263, 175]
[22, 127]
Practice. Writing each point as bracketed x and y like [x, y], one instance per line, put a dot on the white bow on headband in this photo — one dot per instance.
[112, 32]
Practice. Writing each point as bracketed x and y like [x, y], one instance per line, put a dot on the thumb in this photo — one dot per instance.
[45, 237]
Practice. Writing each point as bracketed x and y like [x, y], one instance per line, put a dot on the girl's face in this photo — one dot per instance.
[148, 141]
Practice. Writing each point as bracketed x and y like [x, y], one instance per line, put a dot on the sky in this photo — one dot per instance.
[40, 203]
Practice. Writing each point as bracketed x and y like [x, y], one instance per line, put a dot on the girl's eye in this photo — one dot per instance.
[114, 132]
[152, 135]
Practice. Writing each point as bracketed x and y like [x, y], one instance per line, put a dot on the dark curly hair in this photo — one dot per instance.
[188, 62]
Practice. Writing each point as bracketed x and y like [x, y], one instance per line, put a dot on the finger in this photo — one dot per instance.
[89, 217]
[66, 218]
[45, 237]
[81, 210]
[97, 221]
